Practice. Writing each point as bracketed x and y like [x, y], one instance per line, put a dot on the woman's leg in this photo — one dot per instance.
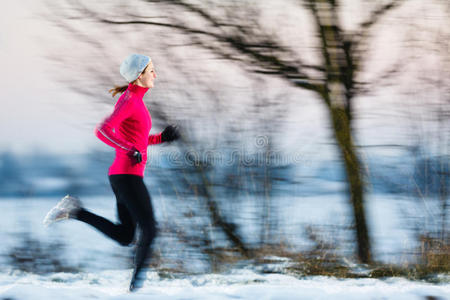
[134, 207]
[139, 205]
[122, 232]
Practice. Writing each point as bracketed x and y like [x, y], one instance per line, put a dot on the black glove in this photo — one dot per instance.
[170, 133]
[135, 155]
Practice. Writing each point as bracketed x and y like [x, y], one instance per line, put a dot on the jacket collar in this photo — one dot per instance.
[138, 90]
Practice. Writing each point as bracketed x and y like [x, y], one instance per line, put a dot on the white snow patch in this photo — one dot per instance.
[239, 284]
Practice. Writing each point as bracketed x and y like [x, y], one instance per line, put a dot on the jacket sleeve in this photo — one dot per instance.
[106, 130]
[154, 139]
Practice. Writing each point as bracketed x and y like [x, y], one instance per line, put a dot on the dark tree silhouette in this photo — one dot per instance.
[233, 32]
[334, 80]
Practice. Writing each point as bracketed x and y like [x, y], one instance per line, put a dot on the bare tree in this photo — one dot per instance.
[233, 32]
[238, 37]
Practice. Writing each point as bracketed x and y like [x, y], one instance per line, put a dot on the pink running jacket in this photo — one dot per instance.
[129, 125]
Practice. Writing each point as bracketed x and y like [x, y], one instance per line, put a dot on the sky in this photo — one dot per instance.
[37, 112]
[41, 113]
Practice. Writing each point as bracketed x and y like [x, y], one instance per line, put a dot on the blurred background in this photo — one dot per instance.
[315, 133]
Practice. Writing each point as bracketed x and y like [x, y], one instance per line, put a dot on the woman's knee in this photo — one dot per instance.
[126, 236]
[126, 241]
[149, 232]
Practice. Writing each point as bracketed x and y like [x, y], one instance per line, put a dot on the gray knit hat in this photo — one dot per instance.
[133, 66]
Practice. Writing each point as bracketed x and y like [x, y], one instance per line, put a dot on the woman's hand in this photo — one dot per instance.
[135, 156]
[170, 133]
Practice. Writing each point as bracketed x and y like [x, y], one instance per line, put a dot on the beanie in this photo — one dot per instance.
[133, 66]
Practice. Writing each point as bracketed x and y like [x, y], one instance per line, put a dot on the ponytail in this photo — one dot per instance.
[118, 89]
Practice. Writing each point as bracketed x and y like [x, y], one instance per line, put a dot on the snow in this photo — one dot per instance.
[239, 284]
[103, 273]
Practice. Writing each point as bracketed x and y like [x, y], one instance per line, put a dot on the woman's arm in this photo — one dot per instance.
[170, 133]
[154, 139]
[105, 130]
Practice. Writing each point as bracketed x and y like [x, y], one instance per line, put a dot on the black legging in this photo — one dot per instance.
[133, 207]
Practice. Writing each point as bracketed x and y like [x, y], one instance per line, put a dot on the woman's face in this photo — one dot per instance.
[147, 77]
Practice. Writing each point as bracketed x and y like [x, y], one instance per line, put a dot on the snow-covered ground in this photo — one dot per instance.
[240, 284]
[102, 267]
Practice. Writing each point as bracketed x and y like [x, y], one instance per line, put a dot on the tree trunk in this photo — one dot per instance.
[342, 132]
[338, 98]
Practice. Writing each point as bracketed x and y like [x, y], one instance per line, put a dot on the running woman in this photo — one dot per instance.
[127, 130]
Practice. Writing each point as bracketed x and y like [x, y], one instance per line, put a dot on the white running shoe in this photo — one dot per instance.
[65, 209]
